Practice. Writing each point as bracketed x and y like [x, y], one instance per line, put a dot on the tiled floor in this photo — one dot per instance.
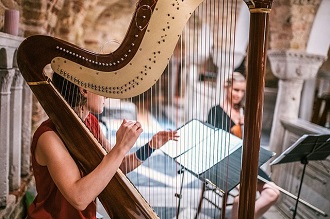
[160, 187]
[159, 181]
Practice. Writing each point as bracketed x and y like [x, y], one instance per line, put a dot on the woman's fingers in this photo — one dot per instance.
[137, 125]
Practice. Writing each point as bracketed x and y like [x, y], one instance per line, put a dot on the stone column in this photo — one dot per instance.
[307, 95]
[26, 129]
[8, 66]
[292, 68]
[15, 131]
[6, 77]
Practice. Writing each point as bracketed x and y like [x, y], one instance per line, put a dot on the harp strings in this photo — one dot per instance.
[213, 28]
[208, 33]
[205, 49]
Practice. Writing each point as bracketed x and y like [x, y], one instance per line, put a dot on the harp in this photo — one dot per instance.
[146, 50]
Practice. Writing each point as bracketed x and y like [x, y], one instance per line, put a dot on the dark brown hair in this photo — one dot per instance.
[69, 91]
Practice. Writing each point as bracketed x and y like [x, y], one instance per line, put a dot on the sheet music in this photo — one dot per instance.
[190, 135]
[288, 150]
[305, 146]
[209, 151]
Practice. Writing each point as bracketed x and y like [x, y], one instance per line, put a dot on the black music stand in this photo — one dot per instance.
[225, 175]
[223, 172]
[305, 149]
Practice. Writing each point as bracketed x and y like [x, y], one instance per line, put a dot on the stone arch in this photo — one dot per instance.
[4, 59]
[107, 24]
[319, 43]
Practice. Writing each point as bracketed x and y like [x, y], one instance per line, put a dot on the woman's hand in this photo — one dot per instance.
[159, 139]
[241, 120]
[128, 133]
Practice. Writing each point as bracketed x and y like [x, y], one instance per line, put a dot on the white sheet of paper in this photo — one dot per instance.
[209, 151]
[190, 135]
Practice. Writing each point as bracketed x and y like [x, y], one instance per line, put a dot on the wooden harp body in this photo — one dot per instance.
[120, 74]
[83, 146]
[132, 69]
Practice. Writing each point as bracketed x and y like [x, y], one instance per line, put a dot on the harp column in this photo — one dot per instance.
[255, 83]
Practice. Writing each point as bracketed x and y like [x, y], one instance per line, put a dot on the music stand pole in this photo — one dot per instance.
[305, 162]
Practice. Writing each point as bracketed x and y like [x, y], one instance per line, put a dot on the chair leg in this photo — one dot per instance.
[200, 200]
[224, 205]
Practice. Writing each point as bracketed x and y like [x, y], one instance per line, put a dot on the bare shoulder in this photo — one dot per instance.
[52, 152]
[49, 146]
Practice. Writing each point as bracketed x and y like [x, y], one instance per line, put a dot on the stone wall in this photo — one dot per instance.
[15, 132]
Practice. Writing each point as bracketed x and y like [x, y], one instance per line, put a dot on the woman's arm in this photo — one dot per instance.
[51, 152]
[134, 160]
[214, 116]
[131, 161]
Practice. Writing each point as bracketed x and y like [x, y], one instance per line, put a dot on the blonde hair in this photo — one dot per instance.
[235, 77]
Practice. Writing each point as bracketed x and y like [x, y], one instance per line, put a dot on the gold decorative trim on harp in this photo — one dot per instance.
[132, 69]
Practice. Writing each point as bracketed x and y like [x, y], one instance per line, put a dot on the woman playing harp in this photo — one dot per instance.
[63, 190]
